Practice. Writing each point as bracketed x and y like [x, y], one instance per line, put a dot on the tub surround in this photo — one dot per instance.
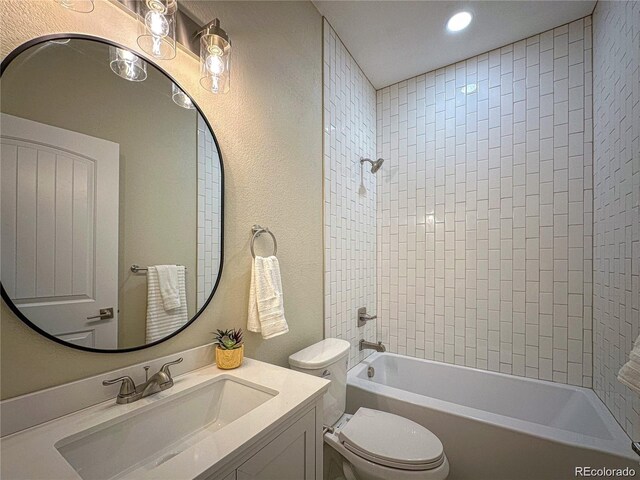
[507, 208]
[485, 223]
[212, 455]
[616, 276]
[349, 196]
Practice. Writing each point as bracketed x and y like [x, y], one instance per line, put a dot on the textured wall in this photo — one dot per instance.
[349, 196]
[616, 99]
[485, 211]
[268, 127]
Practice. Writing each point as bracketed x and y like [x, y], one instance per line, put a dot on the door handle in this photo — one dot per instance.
[105, 314]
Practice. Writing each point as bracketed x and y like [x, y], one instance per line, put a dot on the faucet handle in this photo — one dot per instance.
[127, 388]
[364, 317]
[165, 368]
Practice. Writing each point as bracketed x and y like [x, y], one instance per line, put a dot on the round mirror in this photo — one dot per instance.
[111, 196]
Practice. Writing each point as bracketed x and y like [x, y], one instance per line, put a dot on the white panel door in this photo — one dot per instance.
[60, 229]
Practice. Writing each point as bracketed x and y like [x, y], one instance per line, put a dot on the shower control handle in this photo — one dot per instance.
[363, 317]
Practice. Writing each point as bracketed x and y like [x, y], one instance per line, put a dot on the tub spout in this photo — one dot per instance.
[378, 347]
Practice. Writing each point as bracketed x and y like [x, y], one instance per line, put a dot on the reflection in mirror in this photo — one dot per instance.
[100, 174]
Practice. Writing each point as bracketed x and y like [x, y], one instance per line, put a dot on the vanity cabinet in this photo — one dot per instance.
[291, 455]
[294, 453]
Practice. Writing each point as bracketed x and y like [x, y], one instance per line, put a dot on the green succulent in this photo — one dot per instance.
[228, 339]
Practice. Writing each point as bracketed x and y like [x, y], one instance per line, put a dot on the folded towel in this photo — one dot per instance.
[162, 322]
[266, 303]
[168, 278]
[629, 374]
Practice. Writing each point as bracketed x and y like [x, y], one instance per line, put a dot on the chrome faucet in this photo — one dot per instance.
[378, 347]
[158, 382]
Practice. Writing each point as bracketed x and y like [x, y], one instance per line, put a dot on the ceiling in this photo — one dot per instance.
[396, 40]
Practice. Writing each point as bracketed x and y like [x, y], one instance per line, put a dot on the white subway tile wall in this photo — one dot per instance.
[349, 196]
[209, 209]
[616, 82]
[484, 209]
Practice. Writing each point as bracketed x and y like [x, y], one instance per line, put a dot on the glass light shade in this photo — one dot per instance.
[215, 59]
[180, 98]
[157, 28]
[127, 65]
[82, 6]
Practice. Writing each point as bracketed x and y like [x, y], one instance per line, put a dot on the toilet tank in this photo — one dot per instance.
[327, 359]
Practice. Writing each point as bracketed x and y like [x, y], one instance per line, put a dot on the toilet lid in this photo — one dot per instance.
[391, 440]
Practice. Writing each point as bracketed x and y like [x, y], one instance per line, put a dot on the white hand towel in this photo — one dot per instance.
[168, 278]
[266, 302]
[161, 322]
[629, 374]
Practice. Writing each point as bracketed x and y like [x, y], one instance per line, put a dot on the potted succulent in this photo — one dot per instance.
[229, 348]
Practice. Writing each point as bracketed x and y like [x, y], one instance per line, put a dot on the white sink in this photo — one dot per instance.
[148, 437]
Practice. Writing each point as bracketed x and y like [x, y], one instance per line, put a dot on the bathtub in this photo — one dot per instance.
[495, 426]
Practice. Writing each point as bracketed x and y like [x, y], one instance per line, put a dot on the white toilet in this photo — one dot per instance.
[370, 444]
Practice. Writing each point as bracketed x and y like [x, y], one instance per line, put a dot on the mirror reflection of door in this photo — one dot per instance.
[101, 173]
[66, 261]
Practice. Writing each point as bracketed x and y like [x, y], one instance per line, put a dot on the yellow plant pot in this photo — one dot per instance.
[228, 359]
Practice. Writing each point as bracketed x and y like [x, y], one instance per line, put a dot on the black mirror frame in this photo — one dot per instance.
[5, 297]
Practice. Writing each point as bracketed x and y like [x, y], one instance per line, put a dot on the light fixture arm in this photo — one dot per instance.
[213, 28]
[185, 26]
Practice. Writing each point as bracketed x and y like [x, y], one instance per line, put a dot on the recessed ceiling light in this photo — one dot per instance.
[459, 21]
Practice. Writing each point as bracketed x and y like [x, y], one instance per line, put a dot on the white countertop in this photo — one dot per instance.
[31, 454]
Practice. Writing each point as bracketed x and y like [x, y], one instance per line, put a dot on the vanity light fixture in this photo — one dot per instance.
[215, 58]
[127, 65]
[82, 6]
[180, 98]
[157, 28]
[459, 21]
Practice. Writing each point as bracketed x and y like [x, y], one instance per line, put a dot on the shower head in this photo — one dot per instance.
[375, 166]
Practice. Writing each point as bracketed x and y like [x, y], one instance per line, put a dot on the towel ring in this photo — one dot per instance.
[257, 231]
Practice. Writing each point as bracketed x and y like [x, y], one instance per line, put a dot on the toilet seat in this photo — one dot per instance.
[391, 440]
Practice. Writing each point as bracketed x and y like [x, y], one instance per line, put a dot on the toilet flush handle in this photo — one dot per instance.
[325, 374]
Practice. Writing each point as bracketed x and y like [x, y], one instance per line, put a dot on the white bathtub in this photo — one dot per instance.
[495, 426]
